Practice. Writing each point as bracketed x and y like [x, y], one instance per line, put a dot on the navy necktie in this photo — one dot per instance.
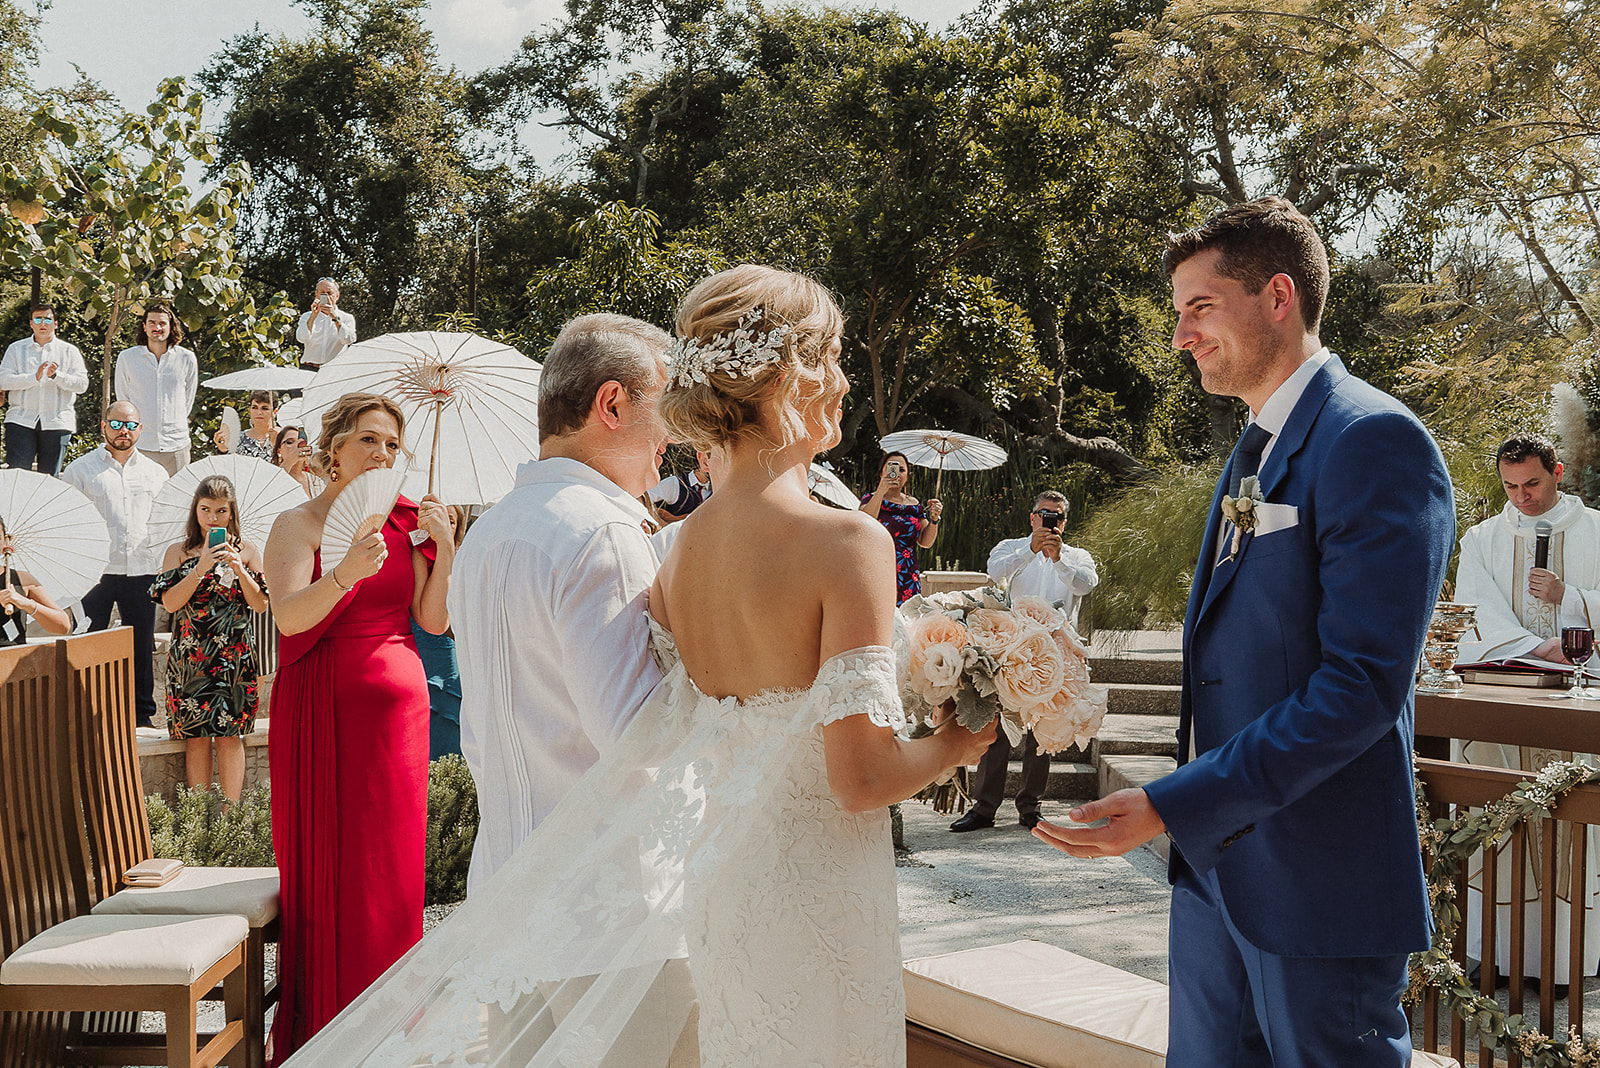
[1247, 457]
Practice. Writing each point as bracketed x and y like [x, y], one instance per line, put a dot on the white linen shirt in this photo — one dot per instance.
[1032, 574]
[163, 390]
[327, 339]
[45, 403]
[548, 599]
[123, 493]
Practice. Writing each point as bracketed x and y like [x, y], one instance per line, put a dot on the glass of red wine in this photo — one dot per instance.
[1577, 645]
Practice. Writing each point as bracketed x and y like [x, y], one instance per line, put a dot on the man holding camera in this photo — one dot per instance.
[1040, 565]
[325, 330]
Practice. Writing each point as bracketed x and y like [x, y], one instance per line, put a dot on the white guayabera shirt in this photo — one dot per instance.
[548, 600]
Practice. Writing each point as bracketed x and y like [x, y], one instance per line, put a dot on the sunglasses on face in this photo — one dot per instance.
[123, 424]
[43, 319]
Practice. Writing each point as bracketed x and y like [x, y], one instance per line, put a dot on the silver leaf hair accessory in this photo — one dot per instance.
[738, 354]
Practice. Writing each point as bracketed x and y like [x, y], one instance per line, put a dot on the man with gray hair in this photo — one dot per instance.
[549, 588]
[325, 330]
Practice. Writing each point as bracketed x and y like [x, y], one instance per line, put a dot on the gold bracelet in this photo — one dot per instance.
[333, 573]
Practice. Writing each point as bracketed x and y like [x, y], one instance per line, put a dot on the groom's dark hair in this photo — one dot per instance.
[1259, 239]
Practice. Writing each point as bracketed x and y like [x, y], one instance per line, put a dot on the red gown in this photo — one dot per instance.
[349, 756]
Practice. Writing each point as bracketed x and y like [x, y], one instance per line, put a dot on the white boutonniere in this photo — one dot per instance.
[1241, 511]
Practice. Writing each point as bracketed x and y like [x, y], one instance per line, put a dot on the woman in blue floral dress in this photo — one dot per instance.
[910, 522]
[212, 592]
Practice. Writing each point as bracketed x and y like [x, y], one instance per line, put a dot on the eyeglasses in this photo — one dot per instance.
[123, 424]
[42, 319]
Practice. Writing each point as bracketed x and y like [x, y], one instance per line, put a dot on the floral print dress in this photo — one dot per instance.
[905, 522]
[211, 664]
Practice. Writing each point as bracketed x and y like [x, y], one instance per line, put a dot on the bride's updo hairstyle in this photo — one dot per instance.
[748, 339]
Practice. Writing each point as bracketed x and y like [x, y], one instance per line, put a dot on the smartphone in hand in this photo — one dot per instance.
[216, 536]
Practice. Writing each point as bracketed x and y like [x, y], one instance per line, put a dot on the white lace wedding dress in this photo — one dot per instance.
[707, 835]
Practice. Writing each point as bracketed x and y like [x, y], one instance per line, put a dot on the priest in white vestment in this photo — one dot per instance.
[1521, 611]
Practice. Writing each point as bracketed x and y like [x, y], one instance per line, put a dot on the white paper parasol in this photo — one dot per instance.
[264, 491]
[270, 376]
[944, 450]
[471, 407]
[56, 533]
[831, 488]
[289, 411]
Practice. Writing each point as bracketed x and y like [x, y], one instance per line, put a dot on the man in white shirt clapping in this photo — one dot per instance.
[122, 482]
[1040, 565]
[548, 594]
[160, 378]
[324, 331]
[43, 376]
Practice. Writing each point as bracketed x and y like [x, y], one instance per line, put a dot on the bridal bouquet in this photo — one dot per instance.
[990, 655]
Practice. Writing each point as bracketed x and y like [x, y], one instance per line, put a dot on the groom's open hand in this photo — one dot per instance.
[1131, 821]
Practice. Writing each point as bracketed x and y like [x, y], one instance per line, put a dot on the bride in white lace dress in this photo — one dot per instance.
[732, 902]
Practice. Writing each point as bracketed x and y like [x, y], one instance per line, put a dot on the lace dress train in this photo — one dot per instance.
[704, 861]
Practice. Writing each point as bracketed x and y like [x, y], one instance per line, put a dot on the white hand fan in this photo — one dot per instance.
[230, 428]
[360, 509]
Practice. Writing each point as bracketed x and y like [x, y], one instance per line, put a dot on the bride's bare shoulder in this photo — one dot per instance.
[837, 536]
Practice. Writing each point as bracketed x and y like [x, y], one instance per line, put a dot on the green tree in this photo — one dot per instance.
[19, 54]
[620, 263]
[108, 212]
[359, 144]
[571, 71]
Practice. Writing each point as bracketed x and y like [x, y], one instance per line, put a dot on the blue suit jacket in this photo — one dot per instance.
[1299, 658]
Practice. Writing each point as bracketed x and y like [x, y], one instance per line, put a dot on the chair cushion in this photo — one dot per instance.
[248, 892]
[124, 951]
[1041, 1005]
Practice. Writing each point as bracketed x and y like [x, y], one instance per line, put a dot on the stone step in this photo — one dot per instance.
[1142, 699]
[1163, 670]
[1122, 772]
[1141, 735]
[1069, 780]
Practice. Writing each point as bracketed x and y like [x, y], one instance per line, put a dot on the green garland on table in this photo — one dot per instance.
[1451, 842]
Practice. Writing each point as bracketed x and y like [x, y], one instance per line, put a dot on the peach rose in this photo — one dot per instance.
[1031, 669]
[934, 670]
[1071, 717]
[1072, 650]
[1040, 611]
[993, 631]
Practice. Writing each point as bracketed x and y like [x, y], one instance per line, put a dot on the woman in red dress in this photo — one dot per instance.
[349, 738]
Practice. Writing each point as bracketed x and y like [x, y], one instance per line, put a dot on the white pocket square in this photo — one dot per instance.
[1271, 518]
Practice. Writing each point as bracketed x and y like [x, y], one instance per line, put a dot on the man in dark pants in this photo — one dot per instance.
[122, 483]
[1036, 566]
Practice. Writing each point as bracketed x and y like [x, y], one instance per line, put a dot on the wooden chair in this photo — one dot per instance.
[56, 962]
[100, 698]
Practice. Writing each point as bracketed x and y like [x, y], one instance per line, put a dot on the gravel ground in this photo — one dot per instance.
[959, 891]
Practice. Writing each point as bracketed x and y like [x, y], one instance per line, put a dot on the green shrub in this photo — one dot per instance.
[1145, 544]
[203, 831]
[452, 828]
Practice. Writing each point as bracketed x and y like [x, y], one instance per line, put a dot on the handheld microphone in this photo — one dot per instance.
[1541, 544]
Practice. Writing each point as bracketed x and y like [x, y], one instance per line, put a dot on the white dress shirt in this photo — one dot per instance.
[1271, 418]
[45, 403]
[327, 338]
[123, 493]
[548, 599]
[163, 390]
[1034, 574]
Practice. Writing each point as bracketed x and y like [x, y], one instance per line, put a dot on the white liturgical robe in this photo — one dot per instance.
[1493, 574]
[548, 599]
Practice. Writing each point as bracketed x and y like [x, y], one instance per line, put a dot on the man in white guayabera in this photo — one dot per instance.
[548, 596]
[325, 331]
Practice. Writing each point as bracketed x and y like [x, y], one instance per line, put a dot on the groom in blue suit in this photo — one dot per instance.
[1298, 890]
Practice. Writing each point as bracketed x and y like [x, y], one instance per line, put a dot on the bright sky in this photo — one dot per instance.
[129, 46]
